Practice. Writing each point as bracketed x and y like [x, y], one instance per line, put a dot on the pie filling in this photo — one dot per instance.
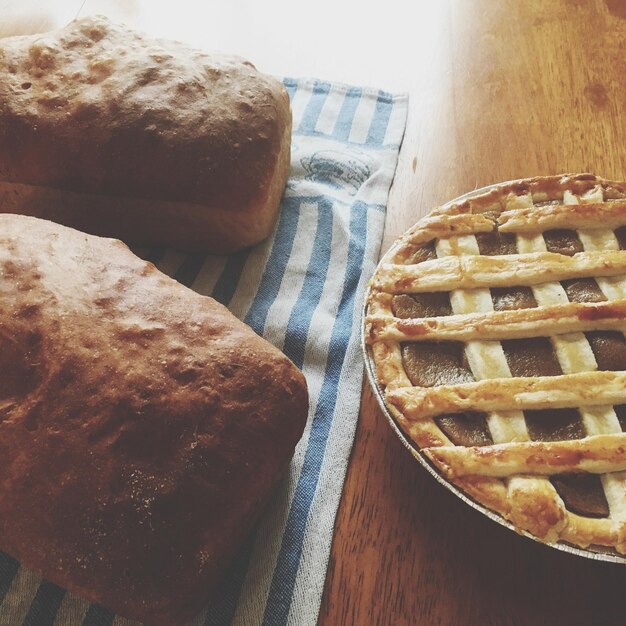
[430, 364]
[466, 429]
[531, 357]
[609, 348]
[582, 494]
[509, 298]
[620, 233]
[495, 243]
[426, 252]
[434, 304]
[620, 411]
[554, 424]
[563, 242]
[583, 290]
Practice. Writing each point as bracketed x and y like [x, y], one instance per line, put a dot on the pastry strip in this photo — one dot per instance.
[474, 271]
[444, 226]
[539, 189]
[496, 325]
[503, 394]
[487, 360]
[571, 216]
[597, 454]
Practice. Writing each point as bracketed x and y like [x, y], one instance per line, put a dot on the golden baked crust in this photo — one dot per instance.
[503, 394]
[478, 271]
[142, 426]
[514, 473]
[117, 134]
[545, 321]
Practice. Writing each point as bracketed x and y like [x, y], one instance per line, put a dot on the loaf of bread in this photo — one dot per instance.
[120, 135]
[142, 426]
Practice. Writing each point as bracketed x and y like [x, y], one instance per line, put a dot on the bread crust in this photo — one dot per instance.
[142, 426]
[119, 134]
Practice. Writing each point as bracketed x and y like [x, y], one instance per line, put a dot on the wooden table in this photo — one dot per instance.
[512, 89]
[499, 89]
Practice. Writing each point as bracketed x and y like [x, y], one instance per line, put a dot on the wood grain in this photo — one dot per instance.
[517, 89]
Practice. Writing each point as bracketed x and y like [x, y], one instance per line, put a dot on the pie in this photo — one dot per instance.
[496, 331]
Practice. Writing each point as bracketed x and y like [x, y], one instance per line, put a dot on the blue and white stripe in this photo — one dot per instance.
[302, 290]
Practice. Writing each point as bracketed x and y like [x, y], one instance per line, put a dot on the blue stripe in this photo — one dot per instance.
[226, 597]
[283, 581]
[378, 128]
[396, 138]
[343, 126]
[291, 85]
[223, 607]
[312, 286]
[45, 605]
[295, 342]
[154, 255]
[8, 570]
[222, 610]
[228, 281]
[313, 108]
[187, 273]
[98, 616]
[276, 265]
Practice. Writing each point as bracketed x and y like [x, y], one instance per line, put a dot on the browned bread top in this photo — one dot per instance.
[96, 107]
[142, 426]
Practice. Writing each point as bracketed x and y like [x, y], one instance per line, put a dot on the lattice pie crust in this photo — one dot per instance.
[533, 483]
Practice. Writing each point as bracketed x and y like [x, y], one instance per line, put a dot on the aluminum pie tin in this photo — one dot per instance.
[597, 554]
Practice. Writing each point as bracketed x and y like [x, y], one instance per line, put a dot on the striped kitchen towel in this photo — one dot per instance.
[302, 290]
